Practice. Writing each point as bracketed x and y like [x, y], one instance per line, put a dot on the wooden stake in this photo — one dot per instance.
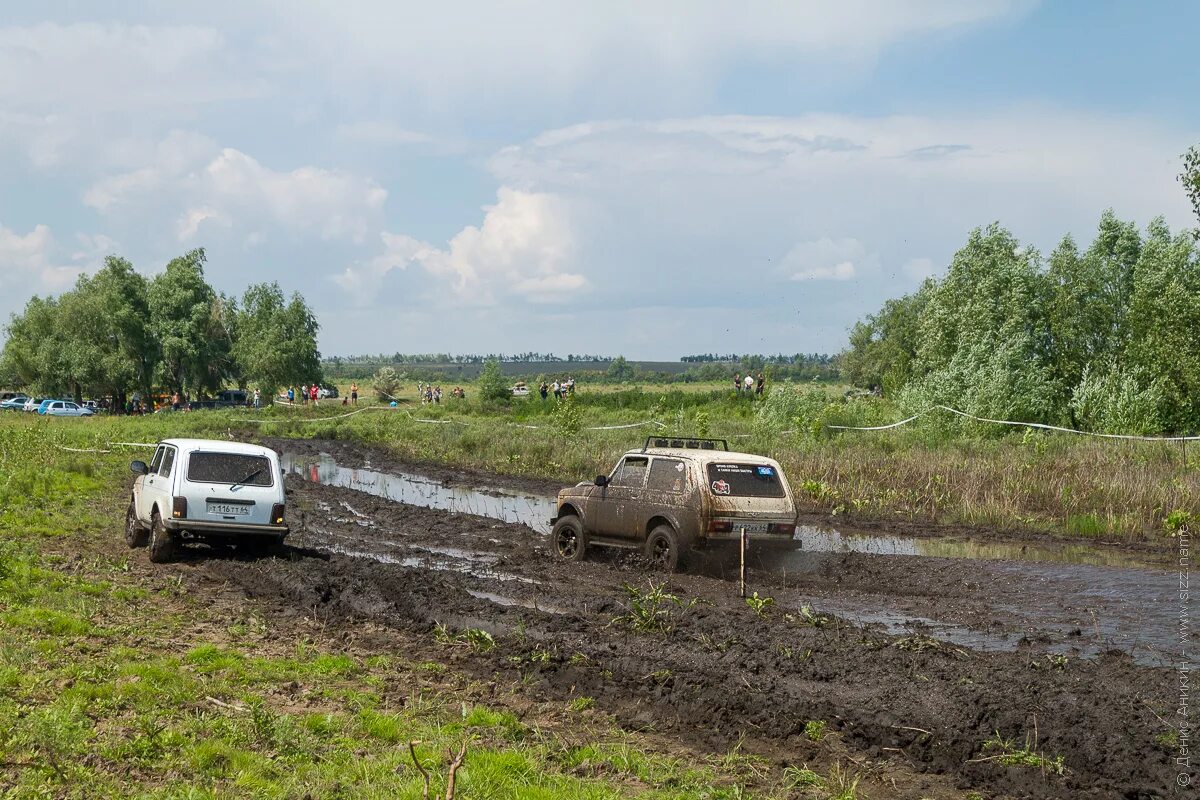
[742, 563]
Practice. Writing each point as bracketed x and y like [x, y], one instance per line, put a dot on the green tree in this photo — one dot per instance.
[492, 385]
[1164, 341]
[386, 383]
[883, 347]
[620, 370]
[274, 340]
[32, 357]
[188, 320]
[1190, 177]
[984, 336]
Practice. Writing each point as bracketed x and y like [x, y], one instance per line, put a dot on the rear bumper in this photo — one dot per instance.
[783, 541]
[225, 528]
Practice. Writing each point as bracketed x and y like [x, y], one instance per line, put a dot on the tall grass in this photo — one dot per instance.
[928, 472]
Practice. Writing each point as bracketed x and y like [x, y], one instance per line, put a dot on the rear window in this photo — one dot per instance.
[229, 468]
[744, 480]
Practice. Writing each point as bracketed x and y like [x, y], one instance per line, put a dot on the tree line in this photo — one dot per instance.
[1105, 339]
[117, 332]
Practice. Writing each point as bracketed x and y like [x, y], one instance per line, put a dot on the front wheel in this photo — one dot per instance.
[136, 534]
[662, 548]
[569, 539]
[162, 541]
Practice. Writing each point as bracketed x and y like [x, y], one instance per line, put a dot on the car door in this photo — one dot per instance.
[666, 491]
[619, 501]
[150, 484]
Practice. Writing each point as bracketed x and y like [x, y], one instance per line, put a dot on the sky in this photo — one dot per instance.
[647, 179]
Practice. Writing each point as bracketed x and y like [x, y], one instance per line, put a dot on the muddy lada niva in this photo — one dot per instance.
[199, 489]
[674, 495]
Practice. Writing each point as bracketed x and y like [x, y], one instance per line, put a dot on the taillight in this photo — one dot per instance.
[179, 507]
[277, 514]
[719, 526]
[784, 527]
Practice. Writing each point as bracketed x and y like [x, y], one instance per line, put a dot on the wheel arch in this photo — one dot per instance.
[569, 509]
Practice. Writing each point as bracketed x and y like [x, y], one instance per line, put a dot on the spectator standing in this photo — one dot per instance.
[544, 390]
[749, 384]
[291, 396]
[737, 382]
[313, 395]
[257, 399]
[762, 381]
[354, 393]
[557, 390]
[175, 401]
[303, 393]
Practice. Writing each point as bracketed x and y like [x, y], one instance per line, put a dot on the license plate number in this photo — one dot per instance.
[228, 509]
[751, 527]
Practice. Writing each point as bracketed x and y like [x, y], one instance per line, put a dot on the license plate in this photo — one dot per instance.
[228, 509]
[751, 527]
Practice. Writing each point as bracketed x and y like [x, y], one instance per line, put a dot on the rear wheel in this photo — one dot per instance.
[569, 539]
[662, 548]
[162, 541]
[136, 534]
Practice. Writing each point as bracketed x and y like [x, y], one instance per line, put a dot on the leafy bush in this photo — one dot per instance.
[492, 386]
[386, 383]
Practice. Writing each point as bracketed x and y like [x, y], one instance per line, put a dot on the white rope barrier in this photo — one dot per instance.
[1018, 424]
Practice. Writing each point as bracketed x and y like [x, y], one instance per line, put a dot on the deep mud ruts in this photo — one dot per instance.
[723, 674]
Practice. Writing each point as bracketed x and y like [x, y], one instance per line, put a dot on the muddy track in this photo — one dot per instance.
[722, 674]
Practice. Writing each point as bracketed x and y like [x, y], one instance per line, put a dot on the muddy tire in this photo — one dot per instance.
[569, 539]
[663, 548]
[136, 534]
[162, 541]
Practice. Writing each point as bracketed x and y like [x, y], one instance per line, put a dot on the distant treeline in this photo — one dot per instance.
[817, 367]
[118, 332]
[1105, 339]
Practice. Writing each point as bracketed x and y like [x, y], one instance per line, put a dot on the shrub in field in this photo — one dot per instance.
[1119, 401]
[567, 420]
[492, 385]
[386, 383]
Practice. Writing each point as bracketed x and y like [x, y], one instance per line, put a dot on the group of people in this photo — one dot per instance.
[433, 394]
[307, 394]
[749, 385]
[560, 390]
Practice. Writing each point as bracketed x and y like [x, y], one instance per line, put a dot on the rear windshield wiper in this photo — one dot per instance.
[248, 477]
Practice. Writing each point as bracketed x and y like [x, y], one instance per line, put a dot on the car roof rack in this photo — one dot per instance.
[689, 442]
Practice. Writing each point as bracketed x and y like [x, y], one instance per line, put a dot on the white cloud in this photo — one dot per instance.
[191, 174]
[826, 260]
[33, 261]
[521, 249]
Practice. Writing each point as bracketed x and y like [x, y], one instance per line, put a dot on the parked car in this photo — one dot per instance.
[14, 403]
[33, 403]
[64, 408]
[206, 490]
[326, 392]
[45, 404]
[520, 389]
[674, 495]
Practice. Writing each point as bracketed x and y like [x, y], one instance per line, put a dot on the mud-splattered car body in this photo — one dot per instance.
[688, 497]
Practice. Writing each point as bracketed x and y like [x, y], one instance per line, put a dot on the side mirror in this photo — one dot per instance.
[602, 480]
[139, 467]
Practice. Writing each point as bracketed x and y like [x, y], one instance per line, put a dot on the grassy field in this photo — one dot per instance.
[925, 473]
[119, 680]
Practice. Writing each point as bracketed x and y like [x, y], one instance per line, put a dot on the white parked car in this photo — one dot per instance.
[200, 489]
[65, 408]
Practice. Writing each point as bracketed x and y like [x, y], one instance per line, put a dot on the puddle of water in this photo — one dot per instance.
[536, 512]
[502, 600]
[826, 540]
[419, 490]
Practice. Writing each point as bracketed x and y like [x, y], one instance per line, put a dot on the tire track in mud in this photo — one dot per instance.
[723, 674]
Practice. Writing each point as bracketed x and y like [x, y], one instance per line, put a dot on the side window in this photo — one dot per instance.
[632, 472]
[668, 475]
[154, 462]
[168, 461]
